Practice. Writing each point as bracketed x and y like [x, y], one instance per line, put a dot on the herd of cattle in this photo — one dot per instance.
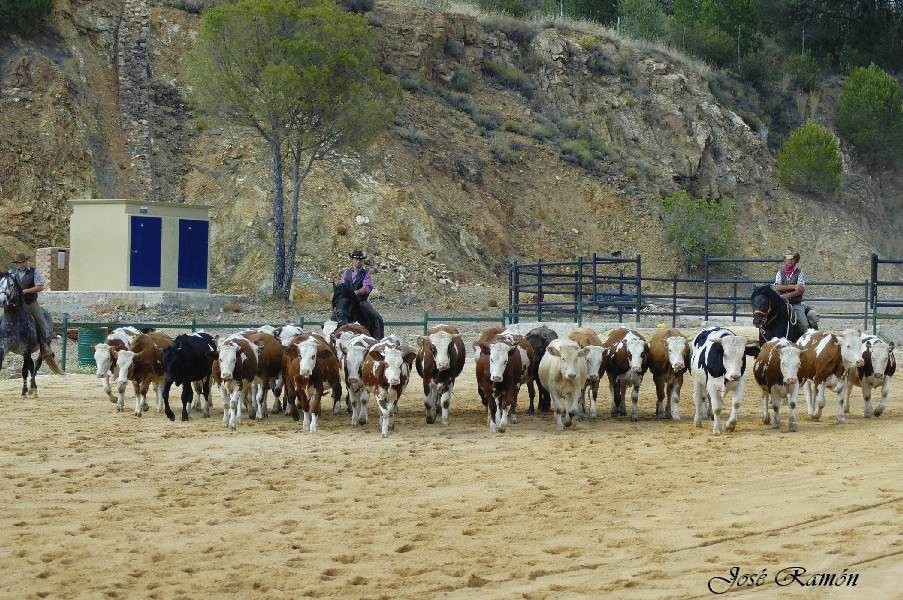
[299, 367]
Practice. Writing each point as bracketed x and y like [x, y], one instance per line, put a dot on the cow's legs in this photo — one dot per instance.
[120, 394]
[186, 401]
[673, 410]
[715, 398]
[766, 414]
[196, 405]
[843, 395]
[532, 393]
[699, 390]
[558, 407]
[885, 390]
[573, 408]
[661, 390]
[810, 397]
[430, 400]
[776, 407]
[635, 398]
[136, 387]
[612, 389]
[736, 398]
[167, 385]
[315, 407]
[263, 387]
[336, 401]
[445, 401]
[235, 401]
[594, 398]
[791, 401]
[867, 410]
[276, 385]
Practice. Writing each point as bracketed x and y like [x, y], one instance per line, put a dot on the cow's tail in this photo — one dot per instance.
[50, 361]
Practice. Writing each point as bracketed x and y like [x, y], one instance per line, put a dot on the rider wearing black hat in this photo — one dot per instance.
[32, 283]
[360, 281]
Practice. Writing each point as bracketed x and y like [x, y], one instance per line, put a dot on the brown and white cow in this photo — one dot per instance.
[386, 372]
[669, 358]
[354, 350]
[776, 370]
[825, 361]
[440, 359]
[314, 370]
[142, 364]
[596, 360]
[238, 370]
[877, 370]
[105, 355]
[563, 373]
[504, 364]
[269, 371]
[627, 361]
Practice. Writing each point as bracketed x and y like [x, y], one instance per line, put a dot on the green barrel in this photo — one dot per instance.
[87, 338]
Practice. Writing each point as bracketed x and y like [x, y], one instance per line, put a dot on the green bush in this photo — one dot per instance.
[643, 19]
[760, 69]
[413, 82]
[517, 30]
[488, 120]
[600, 63]
[23, 14]
[590, 43]
[453, 47]
[515, 8]
[810, 160]
[803, 70]
[509, 76]
[515, 127]
[503, 150]
[708, 43]
[460, 102]
[697, 227]
[462, 81]
[870, 113]
[415, 136]
[543, 132]
[577, 151]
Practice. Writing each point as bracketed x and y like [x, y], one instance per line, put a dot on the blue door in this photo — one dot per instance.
[144, 262]
[193, 237]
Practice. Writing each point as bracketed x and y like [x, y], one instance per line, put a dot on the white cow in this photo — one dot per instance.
[562, 371]
[717, 367]
[105, 355]
[879, 366]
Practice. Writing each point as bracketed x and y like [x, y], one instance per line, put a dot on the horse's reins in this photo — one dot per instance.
[791, 319]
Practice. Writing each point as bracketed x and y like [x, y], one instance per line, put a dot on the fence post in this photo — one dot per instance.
[426, 322]
[65, 340]
[194, 325]
[734, 301]
[674, 300]
[874, 294]
[620, 295]
[594, 277]
[516, 292]
[579, 314]
[504, 315]
[705, 283]
[578, 284]
[301, 322]
[539, 297]
[639, 287]
[865, 313]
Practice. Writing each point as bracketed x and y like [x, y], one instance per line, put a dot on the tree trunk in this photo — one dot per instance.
[293, 223]
[279, 276]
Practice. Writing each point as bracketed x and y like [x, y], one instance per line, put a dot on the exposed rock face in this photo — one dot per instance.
[99, 110]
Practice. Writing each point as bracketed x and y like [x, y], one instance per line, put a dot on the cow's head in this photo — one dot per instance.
[354, 358]
[677, 353]
[287, 332]
[439, 344]
[734, 353]
[307, 356]
[397, 362]
[851, 348]
[329, 327]
[103, 356]
[228, 357]
[790, 362]
[637, 352]
[569, 357]
[124, 361]
[880, 351]
[498, 352]
[595, 362]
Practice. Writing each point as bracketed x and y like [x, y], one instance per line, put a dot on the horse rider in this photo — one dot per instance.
[32, 283]
[360, 281]
[790, 283]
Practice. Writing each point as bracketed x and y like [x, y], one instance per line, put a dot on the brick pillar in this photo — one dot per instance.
[54, 264]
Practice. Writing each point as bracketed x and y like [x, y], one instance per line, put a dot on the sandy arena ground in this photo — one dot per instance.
[99, 504]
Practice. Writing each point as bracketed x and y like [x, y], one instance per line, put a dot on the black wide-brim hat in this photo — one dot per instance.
[358, 254]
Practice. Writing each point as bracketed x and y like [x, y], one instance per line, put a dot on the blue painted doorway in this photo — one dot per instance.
[193, 245]
[146, 247]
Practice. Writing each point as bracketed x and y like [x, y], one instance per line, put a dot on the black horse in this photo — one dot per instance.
[346, 308]
[774, 316]
[19, 335]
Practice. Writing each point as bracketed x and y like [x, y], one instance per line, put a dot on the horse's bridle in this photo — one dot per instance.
[7, 296]
[791, 319]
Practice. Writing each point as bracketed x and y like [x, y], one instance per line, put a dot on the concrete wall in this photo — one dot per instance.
[100, 242]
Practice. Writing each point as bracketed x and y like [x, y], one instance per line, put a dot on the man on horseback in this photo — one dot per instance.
[360, 281]
[790, 283]
[32, 282]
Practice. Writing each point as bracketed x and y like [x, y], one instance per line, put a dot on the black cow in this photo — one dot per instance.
[188, 360]
[539, 338]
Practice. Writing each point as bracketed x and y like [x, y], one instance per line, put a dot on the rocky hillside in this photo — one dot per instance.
[513, 141]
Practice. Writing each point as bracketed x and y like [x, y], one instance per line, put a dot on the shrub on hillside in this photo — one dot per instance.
[708, 43]
[358, 6]
[509, 76]
[810, 160]
[23, 14]
[697, 227]
[453, 47]
[803, 70]
[462, 81]
[870, 113]
[515, 8]
[643, 19]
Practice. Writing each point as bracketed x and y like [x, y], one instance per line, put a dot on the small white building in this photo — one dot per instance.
[132, 245]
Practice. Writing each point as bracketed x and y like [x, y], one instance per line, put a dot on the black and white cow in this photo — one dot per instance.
[188, 360]
[717, 367]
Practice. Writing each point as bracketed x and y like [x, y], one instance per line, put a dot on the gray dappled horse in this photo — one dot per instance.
[19, 335]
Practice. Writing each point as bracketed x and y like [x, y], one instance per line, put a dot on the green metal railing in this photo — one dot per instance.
[63, 329]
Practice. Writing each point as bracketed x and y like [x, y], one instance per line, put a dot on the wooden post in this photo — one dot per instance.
[674, 300]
